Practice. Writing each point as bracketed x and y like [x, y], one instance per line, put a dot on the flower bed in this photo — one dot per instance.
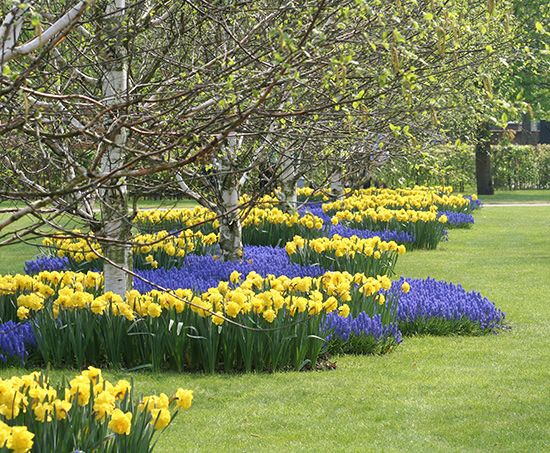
[273, 309]
[90, 414]
[252, 323]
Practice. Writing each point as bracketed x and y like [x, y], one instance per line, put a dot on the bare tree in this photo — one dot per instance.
[198, 95]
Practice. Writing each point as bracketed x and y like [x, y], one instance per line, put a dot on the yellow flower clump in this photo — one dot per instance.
[88, 249]
[373, 247]
[265, 297]
[186, 217]
[33, 393]
[46, 283]
[386, 215]
[258, 216]
[419, 198]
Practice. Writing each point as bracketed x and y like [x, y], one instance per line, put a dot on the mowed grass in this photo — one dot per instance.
[13, 257]
[517, 196]
[433, 393]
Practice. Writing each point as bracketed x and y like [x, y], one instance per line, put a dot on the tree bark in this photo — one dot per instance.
[288, 180]
[114, 195]
[484, 177]
[287, 196]
[336, 187]
[231, 243]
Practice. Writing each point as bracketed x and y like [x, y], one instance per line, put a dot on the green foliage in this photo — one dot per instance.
[514, 167]
[521, 167]
[530, 78]
[447, 165]
[178, 341]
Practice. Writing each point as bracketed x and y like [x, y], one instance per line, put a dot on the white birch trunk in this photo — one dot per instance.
[11, 26]
[336, 187]
[231, 243]
[114, 197]
[288, 180]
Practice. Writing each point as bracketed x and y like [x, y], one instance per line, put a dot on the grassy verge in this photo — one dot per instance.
[517, 196]
[447, 393]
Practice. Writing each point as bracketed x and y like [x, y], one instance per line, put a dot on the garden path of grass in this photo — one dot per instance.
[433, 393]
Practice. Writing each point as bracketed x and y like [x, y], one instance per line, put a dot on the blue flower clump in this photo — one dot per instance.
[362, 334]
[438, 307]
[203, 272]
[46, 263]
[457, 219]
[401, 237]
[15, 340]
[474, 204]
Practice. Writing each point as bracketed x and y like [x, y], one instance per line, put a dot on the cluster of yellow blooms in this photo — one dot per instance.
[308, 192]
[33, 394]
[305, 191]
[46, 283]
[184, 217]
[409, 199]
[81, 249]
[162, 242]
[387, 215]
[445, 190]
[265, 201]
[372, 247]
[275, 216]
[253, 294]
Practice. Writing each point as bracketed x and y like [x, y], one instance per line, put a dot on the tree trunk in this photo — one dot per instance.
[287, 196]
[288, 180]
[231, 243]
[336, 187]
[484, 177]
[114, 195]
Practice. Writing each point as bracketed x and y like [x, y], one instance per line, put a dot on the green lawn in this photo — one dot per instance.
[166, 204]
[12, 258]
[432, 393]
[517, 196]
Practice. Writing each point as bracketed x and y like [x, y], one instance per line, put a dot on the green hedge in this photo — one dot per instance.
[521, 167]
[514, 167]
